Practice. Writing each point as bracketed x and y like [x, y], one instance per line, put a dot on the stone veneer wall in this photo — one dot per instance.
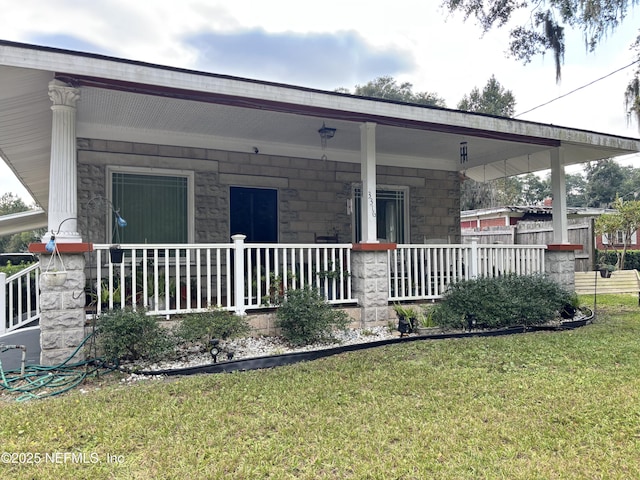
[312, 194]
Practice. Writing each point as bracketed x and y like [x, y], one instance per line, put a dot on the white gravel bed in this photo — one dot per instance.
[251, 347]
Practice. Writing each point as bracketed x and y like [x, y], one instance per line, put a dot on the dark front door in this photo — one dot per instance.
[254, 213]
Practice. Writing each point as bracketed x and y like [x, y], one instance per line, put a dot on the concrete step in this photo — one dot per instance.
[621, 281]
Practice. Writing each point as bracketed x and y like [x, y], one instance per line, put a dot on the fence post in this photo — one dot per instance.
[3, 302]
[473, 271]
[238, 273]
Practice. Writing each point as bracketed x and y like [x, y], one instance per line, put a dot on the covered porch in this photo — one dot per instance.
[192, 159]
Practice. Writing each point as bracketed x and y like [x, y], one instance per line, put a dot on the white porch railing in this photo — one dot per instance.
[239, 277]
[236, 276]
[423, 272]
[19, 298]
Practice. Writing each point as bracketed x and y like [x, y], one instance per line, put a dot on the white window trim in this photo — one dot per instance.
[407, 208]
[188, 174]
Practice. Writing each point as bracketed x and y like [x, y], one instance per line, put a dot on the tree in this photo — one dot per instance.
[625, 221]
[475, 195]
[576, 187]
[604, 182]
[386, 87]
[494, 100]
[631, 185]
[11, 203]
[543, 28]
[535, 189]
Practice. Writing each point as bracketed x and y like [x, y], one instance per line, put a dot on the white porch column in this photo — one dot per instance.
[368, 176]
[559, 194]
[63, 191]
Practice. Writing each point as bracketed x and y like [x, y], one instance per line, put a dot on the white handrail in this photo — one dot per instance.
[19, 298]
[423, 272]
[182, 278]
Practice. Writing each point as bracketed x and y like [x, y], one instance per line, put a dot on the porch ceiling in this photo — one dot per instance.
[132, 101]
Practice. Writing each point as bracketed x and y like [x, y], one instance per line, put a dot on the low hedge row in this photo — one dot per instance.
[501, 302]
[631, 258]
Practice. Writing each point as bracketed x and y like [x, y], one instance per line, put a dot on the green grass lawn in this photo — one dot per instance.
[536, 406]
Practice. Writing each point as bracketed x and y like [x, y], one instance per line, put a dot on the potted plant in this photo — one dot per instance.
[426, 322]
[161, 305]
[605, 270]
[407, 318]
[115, 254]
[53, 278]
[55, 274]
[104, 295]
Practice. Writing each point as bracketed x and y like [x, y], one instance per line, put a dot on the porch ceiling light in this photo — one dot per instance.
[326, 133]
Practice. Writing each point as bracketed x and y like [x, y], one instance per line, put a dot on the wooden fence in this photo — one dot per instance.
[541, 233]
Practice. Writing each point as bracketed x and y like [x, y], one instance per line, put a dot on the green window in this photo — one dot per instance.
[154, 206]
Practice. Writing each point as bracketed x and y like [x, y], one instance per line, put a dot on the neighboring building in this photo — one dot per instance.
[502, 218]
[526, 225]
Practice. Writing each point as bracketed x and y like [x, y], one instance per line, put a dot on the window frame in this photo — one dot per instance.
[159, 172]
[396, 188]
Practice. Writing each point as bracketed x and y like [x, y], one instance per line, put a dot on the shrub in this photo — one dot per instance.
[11, 269]
[217, 323]
[631, 258]
[501, 302]
[132, 335]
[305, 317]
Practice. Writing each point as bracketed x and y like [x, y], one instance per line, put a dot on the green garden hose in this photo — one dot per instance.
[39, 381]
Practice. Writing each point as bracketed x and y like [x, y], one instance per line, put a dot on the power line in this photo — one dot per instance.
[579, 88]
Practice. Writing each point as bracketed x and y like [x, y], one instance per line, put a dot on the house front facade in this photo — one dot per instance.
[172, 194]
[193, 160]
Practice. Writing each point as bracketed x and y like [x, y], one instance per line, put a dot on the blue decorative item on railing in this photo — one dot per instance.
[51, 244]
[121, 221]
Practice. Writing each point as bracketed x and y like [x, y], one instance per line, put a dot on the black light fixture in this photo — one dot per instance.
[215, 349]
[326, 133]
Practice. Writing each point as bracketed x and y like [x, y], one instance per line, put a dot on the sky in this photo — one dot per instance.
[340, 44]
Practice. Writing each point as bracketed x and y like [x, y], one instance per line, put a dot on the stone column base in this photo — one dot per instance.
[560, 264]
[370, 282]
[62, 313]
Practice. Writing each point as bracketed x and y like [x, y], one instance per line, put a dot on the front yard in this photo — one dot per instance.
[539, 405]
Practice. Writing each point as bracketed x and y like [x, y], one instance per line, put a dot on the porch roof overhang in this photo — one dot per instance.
[123, 100]
[22, 222]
